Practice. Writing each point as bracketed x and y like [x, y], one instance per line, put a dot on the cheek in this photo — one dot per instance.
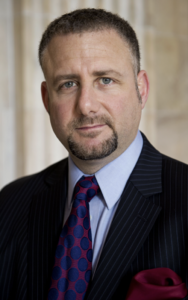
[60, 114]
[125, 111]
[59, 119]
[118, 107]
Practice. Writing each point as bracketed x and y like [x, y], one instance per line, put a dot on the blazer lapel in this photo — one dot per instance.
[45, 224]
[131, 225]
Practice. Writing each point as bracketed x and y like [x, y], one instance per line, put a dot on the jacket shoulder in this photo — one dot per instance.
[174, 165]
[175, 176]
[38, 181]
[16, 198]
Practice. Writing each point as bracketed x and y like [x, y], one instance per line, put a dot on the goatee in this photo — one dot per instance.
[100, 151]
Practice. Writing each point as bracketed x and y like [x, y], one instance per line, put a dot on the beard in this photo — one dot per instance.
[105, 148]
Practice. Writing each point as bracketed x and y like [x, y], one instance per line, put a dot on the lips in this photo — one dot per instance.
[91, 127]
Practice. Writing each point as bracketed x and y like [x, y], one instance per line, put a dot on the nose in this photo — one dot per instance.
[87, 101]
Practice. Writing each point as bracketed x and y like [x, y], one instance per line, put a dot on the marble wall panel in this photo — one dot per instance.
[166, 55]
[167, 64]
[172, 134]
[181, 20]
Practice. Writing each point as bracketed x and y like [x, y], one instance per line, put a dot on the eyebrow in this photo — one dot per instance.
[95, 73]
[107, 72]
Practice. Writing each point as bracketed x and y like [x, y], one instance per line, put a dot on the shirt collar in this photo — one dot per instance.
[112, 177]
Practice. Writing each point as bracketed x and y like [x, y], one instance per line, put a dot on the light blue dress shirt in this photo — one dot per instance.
[112, 179]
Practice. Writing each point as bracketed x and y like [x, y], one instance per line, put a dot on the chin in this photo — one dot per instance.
[93, 152]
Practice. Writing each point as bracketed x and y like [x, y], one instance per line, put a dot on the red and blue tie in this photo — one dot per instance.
[73, 258]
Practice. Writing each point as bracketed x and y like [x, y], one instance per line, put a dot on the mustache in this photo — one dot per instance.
[85, 120]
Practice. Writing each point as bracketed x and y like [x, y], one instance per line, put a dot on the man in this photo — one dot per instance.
[94, 93]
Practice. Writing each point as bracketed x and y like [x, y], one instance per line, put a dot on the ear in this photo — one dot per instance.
[45, 96]
[143, 86]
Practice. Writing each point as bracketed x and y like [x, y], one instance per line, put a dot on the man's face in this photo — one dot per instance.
[90, 94]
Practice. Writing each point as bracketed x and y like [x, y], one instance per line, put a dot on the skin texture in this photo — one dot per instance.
[90, 94]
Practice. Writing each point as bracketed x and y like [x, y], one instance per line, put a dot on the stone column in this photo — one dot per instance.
[37, 146]
[7, 95]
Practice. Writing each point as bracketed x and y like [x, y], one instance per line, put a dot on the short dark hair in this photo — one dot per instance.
[90, 19]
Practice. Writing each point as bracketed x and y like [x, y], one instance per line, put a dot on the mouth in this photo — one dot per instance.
[90, 127]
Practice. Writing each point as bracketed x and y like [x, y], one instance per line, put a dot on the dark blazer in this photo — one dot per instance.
[149, 229]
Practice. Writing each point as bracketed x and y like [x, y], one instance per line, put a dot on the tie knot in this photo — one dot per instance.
[86, 188]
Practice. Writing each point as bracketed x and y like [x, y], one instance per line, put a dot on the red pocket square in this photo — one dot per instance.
[156, 284]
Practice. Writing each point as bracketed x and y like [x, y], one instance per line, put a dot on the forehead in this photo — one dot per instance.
[88, 47]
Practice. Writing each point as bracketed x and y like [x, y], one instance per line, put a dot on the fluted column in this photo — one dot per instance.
[37, 146]
[7, 95]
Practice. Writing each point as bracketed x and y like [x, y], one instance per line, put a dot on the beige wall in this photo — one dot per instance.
[27, 143]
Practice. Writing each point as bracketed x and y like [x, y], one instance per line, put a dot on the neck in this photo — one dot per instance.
[92, 166]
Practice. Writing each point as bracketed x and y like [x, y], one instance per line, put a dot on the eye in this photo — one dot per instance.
[106, 81]
[69, 84]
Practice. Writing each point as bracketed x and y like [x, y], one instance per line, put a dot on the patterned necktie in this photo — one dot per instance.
[73, 258]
